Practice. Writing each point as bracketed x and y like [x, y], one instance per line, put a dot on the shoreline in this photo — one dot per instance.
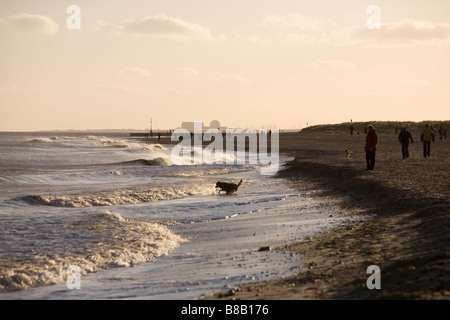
[406, 236]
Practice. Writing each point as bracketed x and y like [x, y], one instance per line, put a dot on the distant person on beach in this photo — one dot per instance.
[351, 129]
[445, 133]
[441, 133]
[371, 147]
[426, 137]
[404, 137]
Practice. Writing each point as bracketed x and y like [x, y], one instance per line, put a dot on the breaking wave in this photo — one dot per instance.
[154, 147]
[151, 162]
[124, 197]
[198, 173]
[115, 143]
[104, 240]
[41, 140]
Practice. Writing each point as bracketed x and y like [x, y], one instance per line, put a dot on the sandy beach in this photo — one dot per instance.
[407, 232]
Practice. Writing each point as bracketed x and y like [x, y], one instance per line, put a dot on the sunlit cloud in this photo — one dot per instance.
[332, 64]
[295, 21]
[10, 90]
[101, 25]
[136, 71]
[299, 29]
[119, 89]
[369, 96]
[236, 79]
[189, 72]
[407, 32]
[180, 93]
[416, 82]
[162, 26]
[32, 23]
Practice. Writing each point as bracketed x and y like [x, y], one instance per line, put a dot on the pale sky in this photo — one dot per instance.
[247, 63]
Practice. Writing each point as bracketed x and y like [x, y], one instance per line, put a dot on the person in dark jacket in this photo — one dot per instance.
[371, 147]
[404, 137]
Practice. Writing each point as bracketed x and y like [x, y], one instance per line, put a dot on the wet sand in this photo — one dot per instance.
[407, 235]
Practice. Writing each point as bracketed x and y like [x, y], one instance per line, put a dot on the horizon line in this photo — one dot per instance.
[156, 130]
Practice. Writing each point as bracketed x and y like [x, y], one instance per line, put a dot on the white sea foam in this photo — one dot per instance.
[116, 143]
[41, 140]
[95, 138]
[104, 240]
[160, 161]
[154, 147]
[123, 197]
[38, 243]
[198, 154]
[198, 173]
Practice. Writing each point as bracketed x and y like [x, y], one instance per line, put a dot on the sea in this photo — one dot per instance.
[109, 216]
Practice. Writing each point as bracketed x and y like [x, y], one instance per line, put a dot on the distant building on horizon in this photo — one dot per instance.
[215, 124]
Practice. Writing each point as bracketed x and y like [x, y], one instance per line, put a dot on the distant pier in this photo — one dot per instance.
[153, 134]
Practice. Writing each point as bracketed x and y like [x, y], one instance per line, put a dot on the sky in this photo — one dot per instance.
[256, 64]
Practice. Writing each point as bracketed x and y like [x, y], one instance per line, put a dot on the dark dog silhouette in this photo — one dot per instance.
[348, 152]
[229, 188]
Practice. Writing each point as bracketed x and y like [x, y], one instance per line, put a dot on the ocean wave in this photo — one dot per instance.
[151, 162]
[106, 141]
[117, 198]
[114, 143]
[92, 242]
[154, 147]
[94, 138]
[41, 140]
[198, 173]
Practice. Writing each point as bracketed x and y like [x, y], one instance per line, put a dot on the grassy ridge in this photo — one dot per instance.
[380, 126]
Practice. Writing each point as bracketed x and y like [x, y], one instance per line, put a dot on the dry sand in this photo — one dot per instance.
[408, 236]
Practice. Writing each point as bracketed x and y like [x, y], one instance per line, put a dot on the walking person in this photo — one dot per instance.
[371, 147]
[426, 137]
[404, 137]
